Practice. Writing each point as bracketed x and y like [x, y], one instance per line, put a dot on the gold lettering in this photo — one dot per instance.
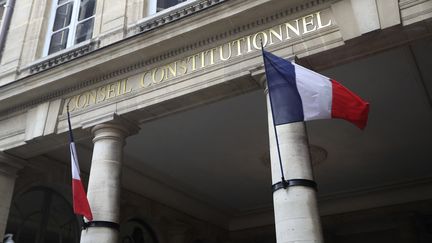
[263, 39]
[203, 57]
[288, 27]
[144, 84]
[71, 108]
[238, 44]
[172, 70]
[183, 67]
[221, 52]
[101, 92]
[278, 35]
[78, 101]
[318, 14]
[193, 58]
[249, 46]
[307, 23]
[119, 87]
[125, 90]
[110, 91]
[212, 55]
[154, 72]
[92, 96]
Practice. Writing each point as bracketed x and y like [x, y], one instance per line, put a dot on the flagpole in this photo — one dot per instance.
[284, 182]
[295, 209]
[71, 140]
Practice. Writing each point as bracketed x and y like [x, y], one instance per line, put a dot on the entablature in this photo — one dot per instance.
[200, 58]
[204, 30]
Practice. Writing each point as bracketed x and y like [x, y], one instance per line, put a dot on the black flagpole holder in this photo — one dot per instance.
[284, 184]
[101, 224]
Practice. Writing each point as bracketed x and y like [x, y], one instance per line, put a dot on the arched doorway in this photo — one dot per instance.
[42, 215]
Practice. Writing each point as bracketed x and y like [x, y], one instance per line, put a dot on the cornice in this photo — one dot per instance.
[408, 15]
[199, 44]
[409, 3]
[176, 14]
[64, 57]
[146, 26]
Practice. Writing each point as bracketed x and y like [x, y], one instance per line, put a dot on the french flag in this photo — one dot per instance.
[299, 94]
[80, 203]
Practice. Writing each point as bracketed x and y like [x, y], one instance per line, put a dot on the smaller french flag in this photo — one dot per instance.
[299, 94]
[80, 203]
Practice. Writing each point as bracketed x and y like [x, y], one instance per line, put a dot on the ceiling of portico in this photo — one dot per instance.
[217, 153]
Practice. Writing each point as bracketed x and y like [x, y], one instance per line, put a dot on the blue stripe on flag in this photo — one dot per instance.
[285, 99]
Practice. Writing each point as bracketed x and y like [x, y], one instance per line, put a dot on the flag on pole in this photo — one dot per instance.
[299, 94]
[80, 203]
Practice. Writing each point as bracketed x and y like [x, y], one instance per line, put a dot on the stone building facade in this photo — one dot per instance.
[169, 113]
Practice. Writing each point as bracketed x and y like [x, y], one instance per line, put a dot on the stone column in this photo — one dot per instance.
[105, 183]
[295, 208]
[8, 169]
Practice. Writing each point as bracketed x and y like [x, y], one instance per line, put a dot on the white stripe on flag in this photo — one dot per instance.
[74, 160]
[316, 93]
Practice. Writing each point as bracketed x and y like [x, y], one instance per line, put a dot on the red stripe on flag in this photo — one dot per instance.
[347, 105]
[80, 202]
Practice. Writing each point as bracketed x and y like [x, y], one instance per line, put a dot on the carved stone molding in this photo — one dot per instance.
[217, 37]
[413, 11]
[176, 15]
[64, 57]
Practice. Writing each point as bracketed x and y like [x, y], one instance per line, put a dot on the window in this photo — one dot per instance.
[163, 4]
[6, 8]
[159, 5]
[2, 12]
[71, 23]
[2, 8]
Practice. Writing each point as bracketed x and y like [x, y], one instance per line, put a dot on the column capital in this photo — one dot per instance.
[9, 164]
[117, 128]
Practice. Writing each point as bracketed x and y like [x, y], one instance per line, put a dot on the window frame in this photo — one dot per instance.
[74, 22]
[153, 10]
[2, 11]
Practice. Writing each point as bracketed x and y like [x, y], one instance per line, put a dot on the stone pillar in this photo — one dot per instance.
[8, 169]
[105, 183]
[295, 208]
